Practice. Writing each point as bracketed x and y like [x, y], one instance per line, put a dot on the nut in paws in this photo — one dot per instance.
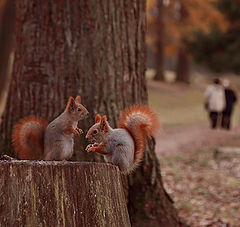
[89, 148]
[80, 131]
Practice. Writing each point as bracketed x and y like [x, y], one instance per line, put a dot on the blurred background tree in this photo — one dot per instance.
[182, 19]
[219, 50]
[155, 36]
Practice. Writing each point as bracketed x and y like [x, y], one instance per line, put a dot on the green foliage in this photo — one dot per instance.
[221, 50]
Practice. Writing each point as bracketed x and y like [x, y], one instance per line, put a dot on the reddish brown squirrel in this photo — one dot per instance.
[33, 139]
[123, 146]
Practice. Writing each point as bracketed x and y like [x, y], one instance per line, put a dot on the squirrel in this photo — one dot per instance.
[123, 146]
[33, 139]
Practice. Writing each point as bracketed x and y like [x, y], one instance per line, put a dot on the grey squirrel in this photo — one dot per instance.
[123, 146]
[33, 139]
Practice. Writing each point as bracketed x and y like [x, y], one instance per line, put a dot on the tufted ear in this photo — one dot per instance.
[97, 118]
[103, 123]
[71, 104]
[78, 99]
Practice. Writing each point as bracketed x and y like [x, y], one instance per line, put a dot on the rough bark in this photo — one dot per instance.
[7, 22]
[91, 48]
[95, 49]
[159, 43]
[149, 204]
[38, 193]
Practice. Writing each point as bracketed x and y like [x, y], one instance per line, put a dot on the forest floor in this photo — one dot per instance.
[205, 189]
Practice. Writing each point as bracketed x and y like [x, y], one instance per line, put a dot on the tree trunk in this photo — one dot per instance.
[149, 204]
[159, 42]
[38, 193]
[95, 49]
[183, 66]
[182, 71]
[7, 22]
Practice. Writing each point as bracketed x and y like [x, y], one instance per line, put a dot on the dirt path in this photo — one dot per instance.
[187, 138]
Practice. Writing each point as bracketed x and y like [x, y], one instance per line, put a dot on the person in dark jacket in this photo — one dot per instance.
[231, 99]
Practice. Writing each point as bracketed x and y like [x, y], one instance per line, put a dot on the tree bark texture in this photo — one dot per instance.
[159, 42]
[7, 22]
[39, 193]
[95, 49]
[149, 204]
[91, 48]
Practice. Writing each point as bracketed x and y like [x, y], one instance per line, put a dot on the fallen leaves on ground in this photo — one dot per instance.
[205, 190]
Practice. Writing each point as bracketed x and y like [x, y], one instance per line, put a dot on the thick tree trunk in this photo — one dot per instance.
[159, 42]
[182, 72]
[95, 49]
[149, 204]
[7, 22]
[38, 193]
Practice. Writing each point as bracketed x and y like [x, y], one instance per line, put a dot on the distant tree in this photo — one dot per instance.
[172, 26]
[191, 16]
[221, 50]
[7, 23]
[182, 68]
[95, 49]
[155, 34]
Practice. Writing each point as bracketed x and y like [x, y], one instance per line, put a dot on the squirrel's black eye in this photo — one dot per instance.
[95, 131]
[78, 109]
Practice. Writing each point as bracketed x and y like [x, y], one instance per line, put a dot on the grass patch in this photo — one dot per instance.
[178, 108]
[180, 104]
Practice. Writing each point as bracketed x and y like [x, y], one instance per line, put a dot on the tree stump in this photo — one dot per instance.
[40, 193]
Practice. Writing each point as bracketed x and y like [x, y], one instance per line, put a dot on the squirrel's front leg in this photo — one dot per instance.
[99, 148]
[69, 130]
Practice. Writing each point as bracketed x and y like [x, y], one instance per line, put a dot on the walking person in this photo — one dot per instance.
[231, 99]
[215, 101]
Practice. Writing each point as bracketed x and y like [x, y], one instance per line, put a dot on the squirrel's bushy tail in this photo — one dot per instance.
[28, 137]
[140, 122]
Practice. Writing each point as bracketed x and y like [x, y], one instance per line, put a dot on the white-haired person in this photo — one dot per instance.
[215, 102]
[231, 99]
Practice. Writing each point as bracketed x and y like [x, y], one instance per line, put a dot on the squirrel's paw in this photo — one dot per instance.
[91, 147]
[80, 131]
